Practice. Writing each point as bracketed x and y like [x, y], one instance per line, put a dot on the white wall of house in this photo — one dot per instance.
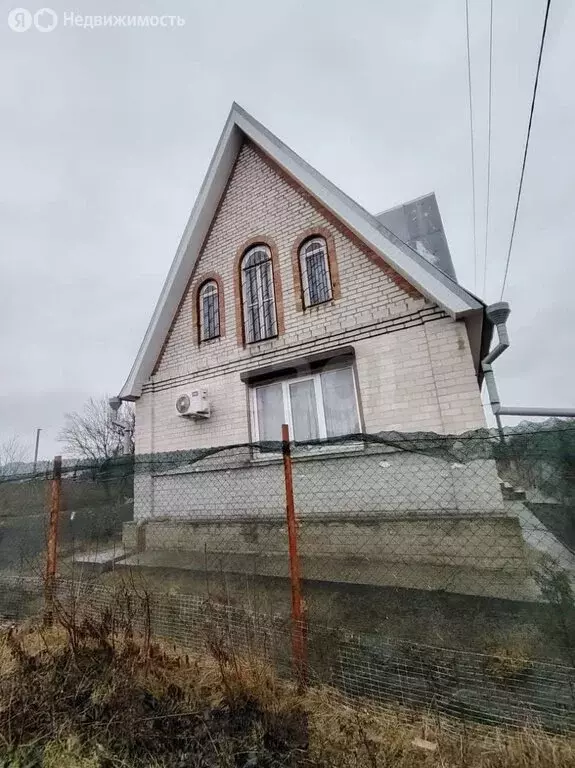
[419, 378]
[413, 363]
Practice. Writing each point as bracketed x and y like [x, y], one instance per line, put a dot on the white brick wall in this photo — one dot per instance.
[418, 377]
[406, 383]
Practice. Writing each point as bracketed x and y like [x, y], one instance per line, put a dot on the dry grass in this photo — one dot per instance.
[512, 656]
[86, 697]
[346, 736]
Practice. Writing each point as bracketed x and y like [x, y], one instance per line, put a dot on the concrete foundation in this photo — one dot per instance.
[479, 555]
[369, 514]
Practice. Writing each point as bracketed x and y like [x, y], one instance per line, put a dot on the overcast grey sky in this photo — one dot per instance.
[105, 135]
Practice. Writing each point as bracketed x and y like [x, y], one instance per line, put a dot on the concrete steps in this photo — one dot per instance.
[510, 493]
[512, 583]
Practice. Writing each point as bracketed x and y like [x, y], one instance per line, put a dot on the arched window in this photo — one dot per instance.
[209, 311]
[314, 266]
[258, 294]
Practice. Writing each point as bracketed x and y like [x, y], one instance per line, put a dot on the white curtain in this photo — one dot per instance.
[304, 410]
[339, 402]
[270, 409]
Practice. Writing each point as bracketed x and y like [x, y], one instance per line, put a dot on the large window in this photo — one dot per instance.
[316, 407]
[258, 294]
[209, 311]
[314, 266]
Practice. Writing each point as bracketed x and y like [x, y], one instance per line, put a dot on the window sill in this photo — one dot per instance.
[318, 304]
[264, 340]
[311, 453]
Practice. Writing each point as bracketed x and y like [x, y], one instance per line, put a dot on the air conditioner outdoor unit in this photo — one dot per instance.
[194, 404]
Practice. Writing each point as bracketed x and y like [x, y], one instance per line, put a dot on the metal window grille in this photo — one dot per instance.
[315, 272]
[258, 295]
[209, 312]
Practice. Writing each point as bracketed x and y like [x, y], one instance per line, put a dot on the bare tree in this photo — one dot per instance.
[94, 434]
[13, 453]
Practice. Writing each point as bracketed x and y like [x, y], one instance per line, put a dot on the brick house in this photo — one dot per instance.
[288, 302]
[278, 269]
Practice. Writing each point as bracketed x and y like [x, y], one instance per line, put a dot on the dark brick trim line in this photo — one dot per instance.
[381, 328]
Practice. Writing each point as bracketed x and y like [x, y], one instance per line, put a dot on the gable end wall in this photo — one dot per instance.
[413, 363]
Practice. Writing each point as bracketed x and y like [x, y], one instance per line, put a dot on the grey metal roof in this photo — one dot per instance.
[418, 223]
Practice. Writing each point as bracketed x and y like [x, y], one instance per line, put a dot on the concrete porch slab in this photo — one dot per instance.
[100, 561]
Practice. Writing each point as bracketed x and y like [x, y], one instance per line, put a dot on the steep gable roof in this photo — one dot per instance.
[430, 281]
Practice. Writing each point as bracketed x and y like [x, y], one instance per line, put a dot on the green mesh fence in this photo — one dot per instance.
[436, 571]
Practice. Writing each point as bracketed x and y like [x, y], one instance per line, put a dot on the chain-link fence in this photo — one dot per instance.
[432, 571]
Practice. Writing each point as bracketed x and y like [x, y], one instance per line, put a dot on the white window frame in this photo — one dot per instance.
[212, 287]
[304, 271]
[316, 377]
[260, 294]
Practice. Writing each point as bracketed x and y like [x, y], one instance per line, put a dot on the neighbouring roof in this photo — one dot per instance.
[431, 281]
[418, 223]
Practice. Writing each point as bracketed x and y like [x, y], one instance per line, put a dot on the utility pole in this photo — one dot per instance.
[36, 450]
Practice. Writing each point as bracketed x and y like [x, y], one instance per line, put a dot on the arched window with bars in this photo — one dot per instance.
[260, 321]
[209, 311]
[315, 274]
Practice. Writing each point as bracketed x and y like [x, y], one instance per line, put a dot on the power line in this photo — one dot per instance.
[472, 146]
[520, 188]
[488, 150]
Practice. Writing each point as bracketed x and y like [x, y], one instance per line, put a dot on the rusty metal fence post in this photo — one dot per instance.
[52, 542]
[299, 652]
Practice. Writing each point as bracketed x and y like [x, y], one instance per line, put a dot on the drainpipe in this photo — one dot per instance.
[498, 314]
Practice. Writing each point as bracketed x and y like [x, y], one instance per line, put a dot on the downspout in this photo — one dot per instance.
[498, 314]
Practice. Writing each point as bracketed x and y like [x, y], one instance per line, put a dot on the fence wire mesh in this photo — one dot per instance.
[436, 571]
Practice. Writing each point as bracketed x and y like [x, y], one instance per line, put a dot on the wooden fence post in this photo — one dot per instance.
[298, 628]
[52, 543]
